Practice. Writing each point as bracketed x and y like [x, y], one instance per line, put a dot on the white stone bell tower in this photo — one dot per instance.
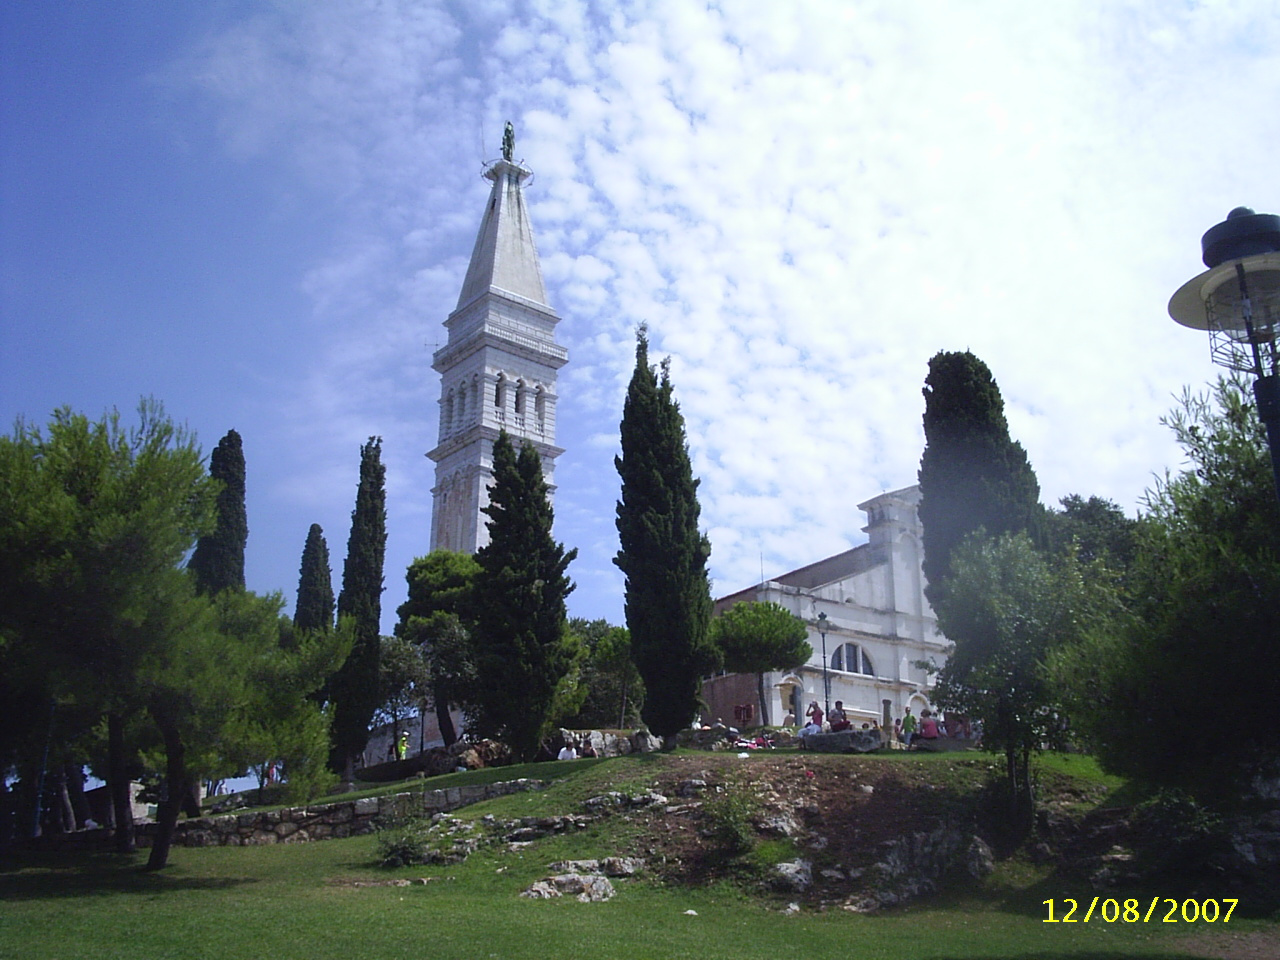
[498, 368]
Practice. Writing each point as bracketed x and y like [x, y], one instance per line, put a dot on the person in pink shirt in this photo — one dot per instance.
[928, 726]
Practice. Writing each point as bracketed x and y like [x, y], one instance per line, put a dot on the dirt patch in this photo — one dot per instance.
[838, 812]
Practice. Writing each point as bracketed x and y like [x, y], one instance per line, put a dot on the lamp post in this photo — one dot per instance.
[1238, 301]
[826, 683]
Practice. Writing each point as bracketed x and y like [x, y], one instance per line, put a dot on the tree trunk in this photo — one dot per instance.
[118, 777]
[75, 787]
[764, 704]
[176, 783]
[66, 815]
[444, 720]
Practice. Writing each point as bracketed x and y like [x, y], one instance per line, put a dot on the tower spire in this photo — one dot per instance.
[498, 368]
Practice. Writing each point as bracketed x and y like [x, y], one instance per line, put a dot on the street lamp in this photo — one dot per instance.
[826, 683]
[1238, 301]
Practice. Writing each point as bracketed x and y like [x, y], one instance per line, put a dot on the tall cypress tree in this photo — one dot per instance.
[662, 555]
[354, 687]
[971, 473]
[523, 649]
[314, 610]
[218, 560]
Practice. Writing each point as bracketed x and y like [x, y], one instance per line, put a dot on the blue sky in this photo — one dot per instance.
[260, 213]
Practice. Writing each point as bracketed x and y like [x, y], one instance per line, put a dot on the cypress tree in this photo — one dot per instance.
[314, 610]
[972, 475]
[218, 560]
[354, 688]
[662, 555]
[523, 649]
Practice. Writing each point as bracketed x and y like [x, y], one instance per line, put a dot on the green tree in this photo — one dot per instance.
[758, 637]
[94, 520]
[663, 556]
[1096, 529]
[1204, 599]
[404, 679]
[218, 561]
[1008, 607]
[228, 694]
[314, 608]
[446, 649]
[433, 616]
[613, 692]
[354, 688]
[523, 649]
[972, 475]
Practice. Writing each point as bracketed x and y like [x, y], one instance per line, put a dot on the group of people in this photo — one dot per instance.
[908, 730]
[572, 750]
[836, 721]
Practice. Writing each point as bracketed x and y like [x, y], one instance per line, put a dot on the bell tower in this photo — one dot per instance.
[498, 367]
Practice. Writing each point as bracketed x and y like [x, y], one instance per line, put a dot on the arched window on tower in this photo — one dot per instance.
[461, 411]
[520, 392]
[446, 416]
[500, 397]
[850, 658]
[477, 413]
[540, 406]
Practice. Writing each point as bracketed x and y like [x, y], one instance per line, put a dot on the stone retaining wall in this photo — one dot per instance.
[344, 818]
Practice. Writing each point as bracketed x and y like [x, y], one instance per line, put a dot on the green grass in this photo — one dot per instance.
[301, 901]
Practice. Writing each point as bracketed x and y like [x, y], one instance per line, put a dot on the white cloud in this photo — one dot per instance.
[804, 200]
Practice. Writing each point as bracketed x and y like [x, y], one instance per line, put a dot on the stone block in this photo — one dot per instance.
[339, 813]
[286, 828]
[366, 807]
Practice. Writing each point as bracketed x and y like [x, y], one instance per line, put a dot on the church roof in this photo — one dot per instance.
[505, 258]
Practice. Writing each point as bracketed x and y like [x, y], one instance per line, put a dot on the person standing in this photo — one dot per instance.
[908, 727]
[814, 713]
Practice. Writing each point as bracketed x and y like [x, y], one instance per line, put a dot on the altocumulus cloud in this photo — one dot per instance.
[805, 201]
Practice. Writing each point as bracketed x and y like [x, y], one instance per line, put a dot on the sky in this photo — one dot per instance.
[261, 213]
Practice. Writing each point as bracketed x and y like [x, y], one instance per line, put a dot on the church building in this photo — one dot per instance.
[870, 604]
[498, 367]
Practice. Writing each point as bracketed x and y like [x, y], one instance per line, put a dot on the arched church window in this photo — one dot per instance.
[446, 419]
[500, 396]
[850, 658]
[475, 397]
[520, 391]
[540, 404]
[462, 406]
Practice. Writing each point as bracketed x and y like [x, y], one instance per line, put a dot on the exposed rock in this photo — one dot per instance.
[844, 741]
[778, 825]
[979, 861]
[642, 741]
[590, 888]
[691, 788]
[794, 875]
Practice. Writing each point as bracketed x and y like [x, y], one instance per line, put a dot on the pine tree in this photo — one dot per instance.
[354, 688]
[314, 610]
[971, 473]
[523, 649]
[218, 560]
[662, 555]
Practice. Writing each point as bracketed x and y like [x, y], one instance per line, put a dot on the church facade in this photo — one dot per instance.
[498, 367]
[878, 628]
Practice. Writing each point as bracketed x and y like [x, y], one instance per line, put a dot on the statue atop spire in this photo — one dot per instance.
[508, 142]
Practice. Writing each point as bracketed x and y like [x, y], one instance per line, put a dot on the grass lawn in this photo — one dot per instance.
[305, 901]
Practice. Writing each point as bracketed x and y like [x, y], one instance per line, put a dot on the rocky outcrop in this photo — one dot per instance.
[606, 743]
[913, 865]
[845, 741]
[585, 879]
[345, 818]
